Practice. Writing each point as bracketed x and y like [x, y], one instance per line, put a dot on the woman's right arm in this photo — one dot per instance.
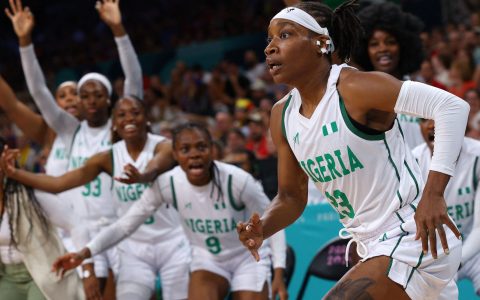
[53, 184]
[292, 195]
[115, 232]
[291, 199]
[59, 120]
[30, 123]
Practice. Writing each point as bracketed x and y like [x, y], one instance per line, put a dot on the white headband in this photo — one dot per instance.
[303, 18]
[65, 83]
[98, 77]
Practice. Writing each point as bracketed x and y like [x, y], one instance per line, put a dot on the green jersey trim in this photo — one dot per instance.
[400, 128]
[475, 179]
[113, 168]
[414, 268]
[73, 140]
[284, 129]
[414, 179]
[353, 129]
[391, 160]
[174, 195]
[230, 196]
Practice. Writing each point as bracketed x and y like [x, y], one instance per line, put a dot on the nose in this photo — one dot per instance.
[271, 48]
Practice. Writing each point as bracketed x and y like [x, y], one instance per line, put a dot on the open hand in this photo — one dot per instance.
[67, 262]
[109, 12]
[251, 234]
[130, 175]
[22, 18]
[430, 218]
[7, 161]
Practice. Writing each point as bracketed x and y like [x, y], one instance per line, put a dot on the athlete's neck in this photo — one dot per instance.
[135, 145]
[312, 89]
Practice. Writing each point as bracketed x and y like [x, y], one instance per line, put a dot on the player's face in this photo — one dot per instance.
[290, 51]
[95, 101]
[428, 131]
[384, 52]
[129, 119]
[67, 98]
[193, 152]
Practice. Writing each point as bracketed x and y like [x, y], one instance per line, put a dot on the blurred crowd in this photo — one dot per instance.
[234, 100]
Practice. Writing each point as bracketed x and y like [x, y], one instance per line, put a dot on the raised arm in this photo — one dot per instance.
[59, 120]
[115, 232]
[109, 12]
[101, 162]
[30, 123]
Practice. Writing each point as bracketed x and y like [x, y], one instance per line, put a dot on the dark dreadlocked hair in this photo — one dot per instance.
[343, 25]
[13, 206]
[405, 27]
[214, 172]
[114, 134]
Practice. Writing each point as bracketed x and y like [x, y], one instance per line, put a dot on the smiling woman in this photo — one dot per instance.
[135, 146]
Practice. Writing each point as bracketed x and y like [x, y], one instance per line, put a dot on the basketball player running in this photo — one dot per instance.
[338, 126]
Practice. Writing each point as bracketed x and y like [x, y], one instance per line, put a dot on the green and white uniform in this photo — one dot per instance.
[460, 196]
[209, 218]
[159, 245]
[374, 184]
[93, 202]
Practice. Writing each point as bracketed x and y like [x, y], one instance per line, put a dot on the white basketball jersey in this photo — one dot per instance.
[165, 219]
[57, 162]
[411, 130]
[365, 177]
[462, 187]
[93, 200]
[209, 217]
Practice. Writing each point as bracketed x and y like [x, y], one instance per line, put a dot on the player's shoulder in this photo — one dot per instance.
[235, 173]
[279, 106]
[165, 180]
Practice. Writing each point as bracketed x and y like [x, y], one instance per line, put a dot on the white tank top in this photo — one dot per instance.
[92, 201]
[57, 162]
[366, 178]
[462, 187]
[165, 219]
[210, 218]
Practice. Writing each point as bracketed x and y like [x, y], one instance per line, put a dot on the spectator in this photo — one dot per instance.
[257, 139]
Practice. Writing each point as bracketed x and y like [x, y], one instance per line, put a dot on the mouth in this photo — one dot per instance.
[196, 169]
[273, 66]
[91, 110]
[130, 128]
[431, 136]
[71, 109]
[385, 59]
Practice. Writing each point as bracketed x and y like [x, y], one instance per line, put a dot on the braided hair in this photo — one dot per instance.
[13, 191]
[342, 23]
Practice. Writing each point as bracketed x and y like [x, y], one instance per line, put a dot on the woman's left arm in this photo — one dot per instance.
[110, 13]
[450, 113]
